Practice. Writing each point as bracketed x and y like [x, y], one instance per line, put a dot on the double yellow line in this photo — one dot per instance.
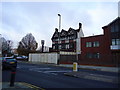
[33, 86]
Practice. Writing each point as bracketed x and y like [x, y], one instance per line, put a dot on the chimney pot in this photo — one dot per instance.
[56, 29]
[80, 25]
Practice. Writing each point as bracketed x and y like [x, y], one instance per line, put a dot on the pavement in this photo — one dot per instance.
[19, 86]
[98, 77]
[98, 68]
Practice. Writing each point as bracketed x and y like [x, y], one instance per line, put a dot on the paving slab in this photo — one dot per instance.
[98, 68]
[91, 76]
[19, 86]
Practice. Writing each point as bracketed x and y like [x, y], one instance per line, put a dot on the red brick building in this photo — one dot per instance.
[103, 50]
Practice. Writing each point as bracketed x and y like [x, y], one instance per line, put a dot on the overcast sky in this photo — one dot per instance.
[41, 18]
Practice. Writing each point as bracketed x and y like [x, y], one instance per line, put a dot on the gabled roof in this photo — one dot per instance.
[56, 34]
[71, 31]
[63, 33]
[118, 18]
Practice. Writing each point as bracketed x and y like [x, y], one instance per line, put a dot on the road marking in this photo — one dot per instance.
[44, 70]
[26, 66]
[38, 69]
[18, 67]
[50, 73]
[22, 85]
[54, 73]
[33, 86]
[57, 71]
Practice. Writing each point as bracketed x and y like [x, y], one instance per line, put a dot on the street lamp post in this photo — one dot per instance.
[59, 22]
[59, 31]
[59, 37]
[0, 60]
[0, 45]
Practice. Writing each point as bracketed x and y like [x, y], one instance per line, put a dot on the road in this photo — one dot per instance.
[49, 76]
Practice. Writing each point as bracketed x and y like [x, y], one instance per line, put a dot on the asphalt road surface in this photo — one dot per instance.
[49, 76]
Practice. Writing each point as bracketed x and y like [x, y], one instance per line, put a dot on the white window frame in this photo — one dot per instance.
[96, 44]
[88, 44]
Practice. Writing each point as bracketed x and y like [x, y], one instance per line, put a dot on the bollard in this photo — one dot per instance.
[12, 79]
[75, 67]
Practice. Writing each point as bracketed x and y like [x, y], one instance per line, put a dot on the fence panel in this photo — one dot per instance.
[67, 59]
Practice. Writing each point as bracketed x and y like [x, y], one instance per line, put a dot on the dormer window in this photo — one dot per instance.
[56, 35]
[70, 32]
[63, 34]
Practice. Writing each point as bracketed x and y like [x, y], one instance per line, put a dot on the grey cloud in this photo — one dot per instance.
[41, 18]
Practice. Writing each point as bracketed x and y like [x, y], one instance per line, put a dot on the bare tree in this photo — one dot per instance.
[6, 46]
[9, 46]
[27, 44]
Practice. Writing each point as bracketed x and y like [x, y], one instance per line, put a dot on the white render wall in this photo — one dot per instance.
[44, 57]
[78, 41]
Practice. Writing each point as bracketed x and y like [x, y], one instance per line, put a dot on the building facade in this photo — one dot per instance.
[98, 50]
[102, 49]
[113, 32]
[67, 40]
